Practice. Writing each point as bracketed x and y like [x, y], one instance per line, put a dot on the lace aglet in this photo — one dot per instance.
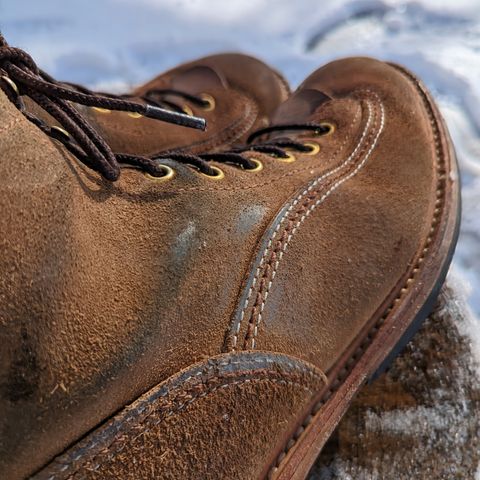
[175, 117]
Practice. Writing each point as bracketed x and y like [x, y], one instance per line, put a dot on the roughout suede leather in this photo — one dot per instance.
[107, 290]
[365, 233]
[246, 391]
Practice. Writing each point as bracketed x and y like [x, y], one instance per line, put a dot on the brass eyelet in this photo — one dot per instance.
[314, 148]
[219, 173]
[11, 83]
[101, 110]
[331, 128]
[61, 130]
[134, 115]
[169, 173]
[257, 168]
[187, 110]
[288, 159]
[210, 102]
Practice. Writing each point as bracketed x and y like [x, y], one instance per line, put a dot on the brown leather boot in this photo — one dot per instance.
[215, 320]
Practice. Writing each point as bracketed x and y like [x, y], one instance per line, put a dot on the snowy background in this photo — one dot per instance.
[115, 44]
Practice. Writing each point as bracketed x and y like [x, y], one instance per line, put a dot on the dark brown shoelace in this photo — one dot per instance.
[275, 147]
[155, 96]
[20, 76]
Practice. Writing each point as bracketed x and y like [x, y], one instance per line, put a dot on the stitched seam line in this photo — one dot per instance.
[265, 254]
[288, 211]
[285, 85]
[439, 206]
[249, 379]
[138, 414]
[284, 242]
[204, 394]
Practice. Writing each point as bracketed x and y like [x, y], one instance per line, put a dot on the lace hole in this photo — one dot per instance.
[187, 110]
[288, 159]
[218, 173]
[330, 128]
[313, 146]
[209, 102]
[168, 174]
[257, 168]
[11, 83]
[101, 110]
[63, 133]
[134, 115]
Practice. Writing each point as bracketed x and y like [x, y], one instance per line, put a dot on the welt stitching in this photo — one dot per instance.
[116, 444]
[310, 205]
[292, 205]
[439, 204]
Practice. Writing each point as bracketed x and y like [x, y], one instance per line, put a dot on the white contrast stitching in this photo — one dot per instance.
[285, 215]
[113, 448]
[141, 412]
[310, 210]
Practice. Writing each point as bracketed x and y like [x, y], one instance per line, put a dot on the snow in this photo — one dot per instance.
[114, 44]
[460, 309]
[420, 419]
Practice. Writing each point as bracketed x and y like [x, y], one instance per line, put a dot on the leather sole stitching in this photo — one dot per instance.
[439, 204]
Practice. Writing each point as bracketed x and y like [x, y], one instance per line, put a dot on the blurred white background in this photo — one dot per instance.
[113, 44]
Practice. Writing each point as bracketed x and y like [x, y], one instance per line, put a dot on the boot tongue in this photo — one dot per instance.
[198, 79]
[299, 107]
